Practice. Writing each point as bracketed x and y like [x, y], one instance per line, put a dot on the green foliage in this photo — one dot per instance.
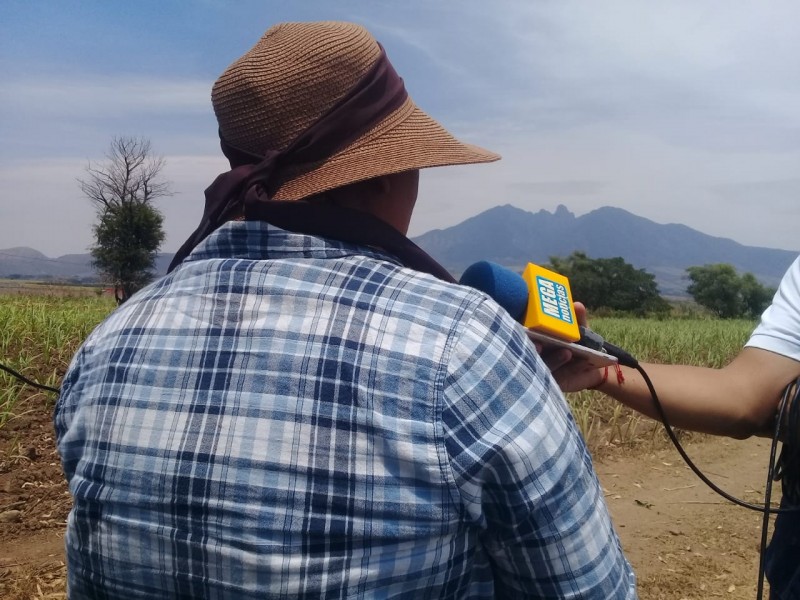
[610, 283]
[702, 342]
[719, 288]
[755, 297]
[127, 241]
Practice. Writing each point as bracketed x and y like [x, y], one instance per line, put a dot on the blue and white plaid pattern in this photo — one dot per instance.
[285, 416]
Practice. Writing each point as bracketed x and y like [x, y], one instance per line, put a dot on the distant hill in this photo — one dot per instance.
[27, 263]
[512, 237]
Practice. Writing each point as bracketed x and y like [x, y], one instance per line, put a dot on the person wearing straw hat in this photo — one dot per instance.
[307, 405]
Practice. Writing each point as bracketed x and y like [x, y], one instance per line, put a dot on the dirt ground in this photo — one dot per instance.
[684, 541]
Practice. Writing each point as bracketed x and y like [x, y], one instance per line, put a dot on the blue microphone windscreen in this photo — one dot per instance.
[506, 287]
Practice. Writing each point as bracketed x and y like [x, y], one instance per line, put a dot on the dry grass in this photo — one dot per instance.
[47, 288]
[606, 424]
[45, 582]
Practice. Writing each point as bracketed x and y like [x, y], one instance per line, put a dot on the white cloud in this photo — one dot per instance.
[42, 205]
[686, 72]
[98, 97]
[190, 176]
[685, 111]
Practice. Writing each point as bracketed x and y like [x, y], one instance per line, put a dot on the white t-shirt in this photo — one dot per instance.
[779, 329]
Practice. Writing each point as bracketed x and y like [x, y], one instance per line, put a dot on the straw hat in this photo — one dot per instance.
[292, 77]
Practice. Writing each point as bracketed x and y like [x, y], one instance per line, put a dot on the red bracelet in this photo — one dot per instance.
[620, 376]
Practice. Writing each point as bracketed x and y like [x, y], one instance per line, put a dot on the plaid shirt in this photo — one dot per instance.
[287, 416]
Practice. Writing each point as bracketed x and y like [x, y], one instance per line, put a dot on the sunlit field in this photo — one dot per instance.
[605, 423]
[39, 333]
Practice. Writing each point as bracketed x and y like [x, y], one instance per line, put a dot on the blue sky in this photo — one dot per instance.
[680, 112]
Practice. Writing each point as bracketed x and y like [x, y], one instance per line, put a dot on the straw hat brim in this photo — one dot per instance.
[406, 140]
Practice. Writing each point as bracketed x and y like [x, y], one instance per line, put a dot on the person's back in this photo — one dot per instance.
[325, 421]
[287, 415]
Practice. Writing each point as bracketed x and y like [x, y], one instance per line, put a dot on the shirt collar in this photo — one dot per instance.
[258, 240]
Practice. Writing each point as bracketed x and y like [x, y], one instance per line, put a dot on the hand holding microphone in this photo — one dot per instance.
[541, 300]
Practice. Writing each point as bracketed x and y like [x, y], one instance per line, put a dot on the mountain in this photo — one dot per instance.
[512, 237]
[27, 263]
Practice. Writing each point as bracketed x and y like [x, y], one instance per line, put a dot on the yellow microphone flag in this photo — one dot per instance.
[550, 309]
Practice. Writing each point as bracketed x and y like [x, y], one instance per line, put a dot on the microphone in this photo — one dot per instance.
[504, 286]
[541, 300]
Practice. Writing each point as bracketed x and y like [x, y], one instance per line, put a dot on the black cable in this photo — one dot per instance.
[789, 462]
[694, 467]
[771, 476]
[627, 360]
[24, 379]
[788, 468]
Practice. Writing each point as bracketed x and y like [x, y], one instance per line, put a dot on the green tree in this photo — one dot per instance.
[127, 242]
[719, 288]
[610, 283]
[129, 229]
[755, 297]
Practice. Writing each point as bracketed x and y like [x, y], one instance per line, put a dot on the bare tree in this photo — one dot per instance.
[130, 175]
[129, 228]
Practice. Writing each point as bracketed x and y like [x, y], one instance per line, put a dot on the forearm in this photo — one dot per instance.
[690, 396]
[737, 401]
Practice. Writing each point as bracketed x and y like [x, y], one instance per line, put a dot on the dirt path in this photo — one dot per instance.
[683, 541]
